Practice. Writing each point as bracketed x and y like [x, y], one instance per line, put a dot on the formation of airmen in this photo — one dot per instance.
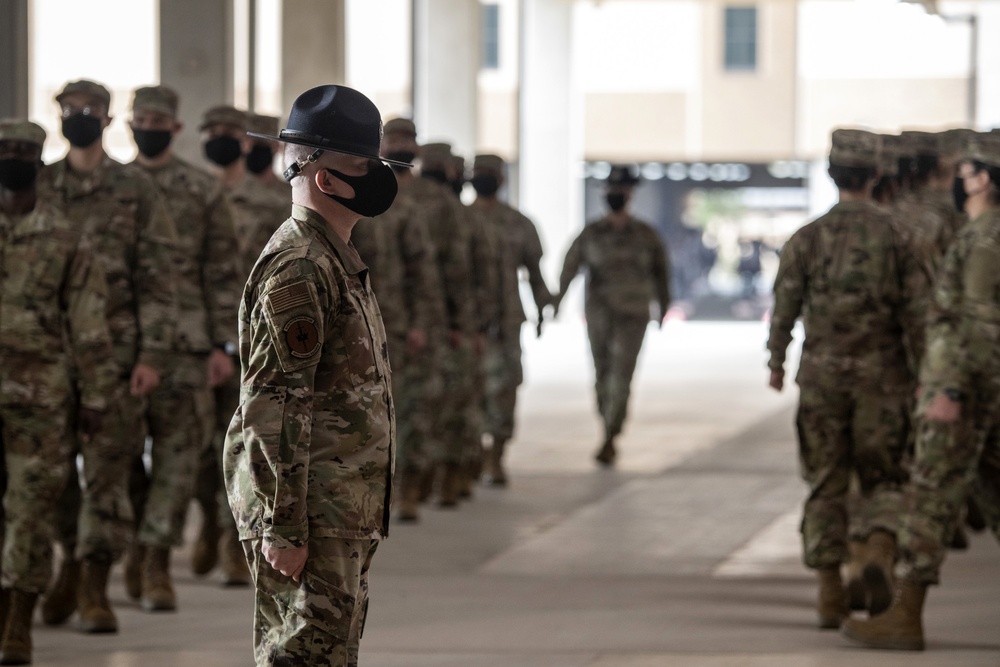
[118, 316]
[898, 292]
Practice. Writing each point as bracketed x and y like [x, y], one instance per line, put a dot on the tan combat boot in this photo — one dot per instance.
[449, 485]
[96, 614]
[134, 556]
[233, 561]
[494, 464]
[899, 629]
[877, 575]
[60, 602]
[205, 555]
[409, 498]
[857, 594]
[606, 455]
[15, 644]
[831, 607]
[157, 588]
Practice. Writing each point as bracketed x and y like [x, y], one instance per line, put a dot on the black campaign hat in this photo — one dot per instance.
[334, 118]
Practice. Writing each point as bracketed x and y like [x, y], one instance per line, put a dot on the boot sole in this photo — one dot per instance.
[879, 589]
[99, 628]
[158, 605]
[886, 644]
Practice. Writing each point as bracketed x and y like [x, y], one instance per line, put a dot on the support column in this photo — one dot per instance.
[550, 183]
[313, 47]
[14, 59]
[196, 47]
[446, 57]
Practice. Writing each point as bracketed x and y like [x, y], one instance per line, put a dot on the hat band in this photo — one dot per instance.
[316, 140]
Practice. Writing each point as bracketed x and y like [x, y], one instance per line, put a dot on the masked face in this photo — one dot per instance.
[17, 174]
[151, 142]
[615, 200]
[260, 158]
[958, 193]
[374, 192]
[436, 175]
[401, 156]
[223, 150]
[82, 130]
[485, 185]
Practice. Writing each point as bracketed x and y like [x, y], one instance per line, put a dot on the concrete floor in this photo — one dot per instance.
[686, 554]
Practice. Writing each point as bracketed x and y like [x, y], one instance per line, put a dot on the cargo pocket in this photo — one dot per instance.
[323, 606]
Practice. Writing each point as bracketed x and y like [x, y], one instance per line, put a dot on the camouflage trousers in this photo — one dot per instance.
[951, 461]
[503, 374]
[844, 432]
[210, 490]
[318, 620]
[179, 421]
[36, 459]
[417, 390]
[96, 518]
[615, 341]
[456, 418]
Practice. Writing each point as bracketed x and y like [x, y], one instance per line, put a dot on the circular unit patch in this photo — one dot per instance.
[302, 337]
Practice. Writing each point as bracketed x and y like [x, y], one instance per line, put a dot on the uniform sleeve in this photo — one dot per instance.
[85, 296]
[286, 332]
[530, 260]
[221, 271]
[571, 263]
[418, 285]
[486, 264]
[154, 283]
[661, 273]
[944, 363]
[915, 277]
[789, 291]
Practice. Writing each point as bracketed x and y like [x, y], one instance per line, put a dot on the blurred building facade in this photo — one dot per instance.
[727, 105]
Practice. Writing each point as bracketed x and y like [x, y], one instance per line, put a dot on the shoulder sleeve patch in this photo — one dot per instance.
[301, 337]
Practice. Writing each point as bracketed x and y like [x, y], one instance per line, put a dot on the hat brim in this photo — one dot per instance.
[287, 140]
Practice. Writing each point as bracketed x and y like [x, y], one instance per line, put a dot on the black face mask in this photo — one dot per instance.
[151, 142]
[958, 193]
[260, 158]
[373, 193]
[17, 175]
[436, 175]
[616, 201]
[223, 151]
[458, 186]
[485, 185]
[82, 130]
[401, 156]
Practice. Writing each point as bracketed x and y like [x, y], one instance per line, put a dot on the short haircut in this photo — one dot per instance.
[851, 179]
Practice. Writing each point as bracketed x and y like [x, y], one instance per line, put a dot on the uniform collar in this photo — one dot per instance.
[349, 257]
[74, 184]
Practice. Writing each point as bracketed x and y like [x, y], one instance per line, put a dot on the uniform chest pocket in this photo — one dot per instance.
[360, 344]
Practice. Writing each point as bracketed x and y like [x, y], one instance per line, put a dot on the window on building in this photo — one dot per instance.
[741, 39]
[491, 36]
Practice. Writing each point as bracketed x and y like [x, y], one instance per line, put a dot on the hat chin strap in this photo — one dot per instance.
[296, 169]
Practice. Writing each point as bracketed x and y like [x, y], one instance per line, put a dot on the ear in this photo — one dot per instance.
[329, 184]
[107, 121]
[178, 127]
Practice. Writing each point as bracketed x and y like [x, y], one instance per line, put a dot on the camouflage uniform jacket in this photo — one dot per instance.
[398, 251]
[963, 335]
[123, 217]
[486, 258]
[52, 294]
[627, 268]
[852, 278]
[310, 449]
[519, 248]
[452, 244]
[930, 221]
[258, 211]
[207, 273]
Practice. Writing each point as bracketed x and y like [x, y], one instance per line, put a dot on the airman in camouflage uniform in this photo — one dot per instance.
[452, 242]
[56, 372]
[309, 455]
[627, 269]
[209, 280]
[122, 214]
[396, 247]
[257, 212]
[851, 277]
[960, 382]
[517, 248]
